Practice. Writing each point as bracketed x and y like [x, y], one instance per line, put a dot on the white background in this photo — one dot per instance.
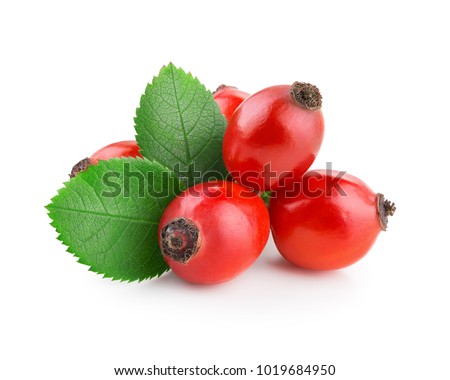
[72, 73]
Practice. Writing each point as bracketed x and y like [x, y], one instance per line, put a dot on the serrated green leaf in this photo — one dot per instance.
[108, 217]
[179, 124]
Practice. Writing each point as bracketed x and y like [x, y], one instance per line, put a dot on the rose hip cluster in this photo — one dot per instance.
[319, 219]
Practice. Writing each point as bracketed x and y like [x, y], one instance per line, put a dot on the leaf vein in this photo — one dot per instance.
[106, 215]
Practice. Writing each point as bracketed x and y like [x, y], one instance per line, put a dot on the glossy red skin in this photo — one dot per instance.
[229, 98]
[325, 232]
[270, 127]
[116, 150]
[233, 230]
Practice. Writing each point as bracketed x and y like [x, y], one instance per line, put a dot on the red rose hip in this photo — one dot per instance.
[274, 136]
[330, 223]
[213, 231]
[116, 150]
[229, 98]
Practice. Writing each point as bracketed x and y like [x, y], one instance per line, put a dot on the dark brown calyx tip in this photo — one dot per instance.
[80, 167]
[180, 240]
[385, 209]
[306, 95]
[222, 86]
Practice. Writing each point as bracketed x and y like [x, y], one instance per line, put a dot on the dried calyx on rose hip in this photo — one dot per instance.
[116, 150]
[274, 136]
[229, 98]
[213, 231]
[329, 221]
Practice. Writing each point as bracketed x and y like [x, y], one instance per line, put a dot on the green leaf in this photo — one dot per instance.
[265, 196]
[108, 217]
[180, 125]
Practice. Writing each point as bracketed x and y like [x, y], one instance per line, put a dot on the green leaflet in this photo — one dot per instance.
[265, 196]
[180, 125]
[108, 217]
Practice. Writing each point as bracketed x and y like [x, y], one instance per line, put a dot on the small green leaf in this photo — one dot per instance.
[265, 196]
[179, 124]
[108, 217]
